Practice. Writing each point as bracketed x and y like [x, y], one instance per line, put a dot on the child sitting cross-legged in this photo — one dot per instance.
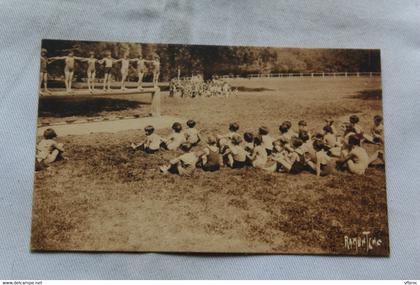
[184, 164]
[249, 146]
[290, 161]
[175, 139]
[330, 141]
[211, 158]
[259, 154]
[152, 142]
[233, 130]
[285, 135]
[192, 135]
[266, 139]
[303, 128]
[235, 153]
[322, 164]
[307, 145]
[48, 150]
[355, 158]
[377, 131]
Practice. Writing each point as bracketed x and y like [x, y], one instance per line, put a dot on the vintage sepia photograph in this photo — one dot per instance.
[209, 149]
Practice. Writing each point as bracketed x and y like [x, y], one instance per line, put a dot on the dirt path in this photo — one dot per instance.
[114, 126]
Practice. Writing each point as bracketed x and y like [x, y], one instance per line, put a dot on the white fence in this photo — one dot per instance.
[305, 74]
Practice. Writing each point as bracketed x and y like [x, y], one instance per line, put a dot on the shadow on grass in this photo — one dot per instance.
[247, 89]
[59, 107]
[374, 94]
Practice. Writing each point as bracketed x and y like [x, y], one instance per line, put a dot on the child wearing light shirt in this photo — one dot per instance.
[184, 164]
[357, 159]
[285, 135]
[259, 154]
[307, 146]
[331, 142]
[211, 158]
[322, 164]
[354, 122]
[233, 130]
[192, 135]
[267, 140]
[292, 162]
[302, 125]
[377, 131]
[48, 150]
[175, 139]
[152, 142]
[235, 153]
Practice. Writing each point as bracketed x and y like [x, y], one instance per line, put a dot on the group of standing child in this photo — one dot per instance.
[197, 87]
[108, 62]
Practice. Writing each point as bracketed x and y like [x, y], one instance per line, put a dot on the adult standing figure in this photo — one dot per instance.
[91, 70]
[125, 64]
[141, 70]
[43, 74]
[109, 62]
[156, 70]
[69, 61]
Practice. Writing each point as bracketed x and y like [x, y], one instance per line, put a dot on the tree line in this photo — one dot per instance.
[220, 60]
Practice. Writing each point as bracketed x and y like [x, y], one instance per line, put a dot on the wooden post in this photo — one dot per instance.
[155, 108]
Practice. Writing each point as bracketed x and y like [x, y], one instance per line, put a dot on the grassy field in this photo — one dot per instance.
[106, 198]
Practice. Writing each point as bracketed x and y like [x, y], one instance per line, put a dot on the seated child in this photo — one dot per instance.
[357, 159]
[249, 142]
[235, 153]
[354, 122]
[48, 150]
[285, 135]
[233, 130]
[323, 164]
[259, 154]
[330, 141]
[307, 146]
[292, 133]
[225, 140]
[152, 142]
[330, 122]
[292, 162]
[303, 128]
[175, 139]
[267, 140]
[192, 135]
[249, 146]
[348, 131]
[377, 131]
[211, 159]
[184, 164]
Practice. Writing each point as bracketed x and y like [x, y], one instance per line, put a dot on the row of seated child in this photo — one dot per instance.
[291, 152]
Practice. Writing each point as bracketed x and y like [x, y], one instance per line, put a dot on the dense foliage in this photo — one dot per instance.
[221, 60]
